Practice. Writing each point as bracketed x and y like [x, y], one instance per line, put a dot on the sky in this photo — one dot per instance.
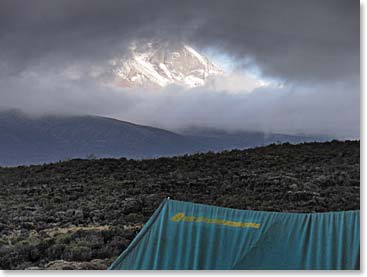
[306, 52]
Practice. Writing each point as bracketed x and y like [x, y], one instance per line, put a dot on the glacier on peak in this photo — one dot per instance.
[158, 64]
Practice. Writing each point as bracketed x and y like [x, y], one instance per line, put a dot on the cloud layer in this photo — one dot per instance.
[325, 109]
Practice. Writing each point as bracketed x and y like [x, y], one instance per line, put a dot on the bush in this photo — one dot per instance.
[77, 253]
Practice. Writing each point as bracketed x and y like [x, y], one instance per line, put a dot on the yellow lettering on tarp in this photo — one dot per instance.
[189, 218]
[238, 224]
[178, 217]
[200, 219]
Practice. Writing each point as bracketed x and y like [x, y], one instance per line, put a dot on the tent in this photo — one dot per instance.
[183, 236]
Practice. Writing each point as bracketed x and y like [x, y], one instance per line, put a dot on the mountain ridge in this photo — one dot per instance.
[33, 140]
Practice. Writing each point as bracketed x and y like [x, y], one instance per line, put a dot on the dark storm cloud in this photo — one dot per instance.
[293, 39]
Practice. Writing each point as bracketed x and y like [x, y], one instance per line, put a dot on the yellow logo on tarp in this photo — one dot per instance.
[178, 217]
[181, 216]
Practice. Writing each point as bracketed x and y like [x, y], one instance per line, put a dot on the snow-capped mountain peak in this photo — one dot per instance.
[160, 64]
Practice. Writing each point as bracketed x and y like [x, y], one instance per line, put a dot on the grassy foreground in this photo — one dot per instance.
[81, 214]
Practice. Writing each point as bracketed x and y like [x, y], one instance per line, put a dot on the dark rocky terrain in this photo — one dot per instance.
[81, 214]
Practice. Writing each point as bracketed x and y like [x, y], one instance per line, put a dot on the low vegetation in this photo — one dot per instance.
[81, 214]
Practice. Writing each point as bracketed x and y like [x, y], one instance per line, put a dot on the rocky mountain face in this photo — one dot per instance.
[158, 64]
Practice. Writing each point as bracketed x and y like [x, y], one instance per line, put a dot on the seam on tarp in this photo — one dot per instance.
[140, 235]
[269, 212]
[254, 245]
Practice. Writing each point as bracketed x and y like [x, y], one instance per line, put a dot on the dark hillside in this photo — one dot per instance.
[85, 212]
[26, 140]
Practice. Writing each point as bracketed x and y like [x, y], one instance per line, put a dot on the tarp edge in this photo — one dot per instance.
[140, 235]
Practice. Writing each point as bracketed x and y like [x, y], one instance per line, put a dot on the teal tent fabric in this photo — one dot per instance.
[183, 236]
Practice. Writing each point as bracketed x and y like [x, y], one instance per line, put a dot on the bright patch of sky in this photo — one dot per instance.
[222, 60]
[251, 75]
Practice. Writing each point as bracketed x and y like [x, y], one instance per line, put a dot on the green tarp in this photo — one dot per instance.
[183, 235]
